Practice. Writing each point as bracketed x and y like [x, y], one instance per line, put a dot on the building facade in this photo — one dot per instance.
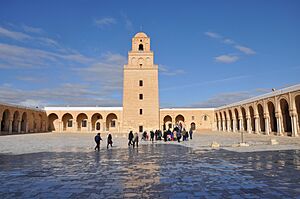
[276, 113]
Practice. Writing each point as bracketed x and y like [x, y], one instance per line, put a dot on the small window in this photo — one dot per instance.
[83, 123]
[193, 117]
[70, 123]
[141, 40]
[141, 129]
[205, 118]
[141, 96]
[141, 47]
[141, 65]
[141, 111]
[141, 82]
[113, 123]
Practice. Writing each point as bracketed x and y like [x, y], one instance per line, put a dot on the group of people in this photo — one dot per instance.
[177, 134]
[98, 139]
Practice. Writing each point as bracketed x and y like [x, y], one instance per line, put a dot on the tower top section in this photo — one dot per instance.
[140, 43]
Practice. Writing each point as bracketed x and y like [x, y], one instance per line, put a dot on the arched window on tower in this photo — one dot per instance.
[141, 47]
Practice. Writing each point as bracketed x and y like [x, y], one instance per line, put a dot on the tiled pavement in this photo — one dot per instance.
[151, 171]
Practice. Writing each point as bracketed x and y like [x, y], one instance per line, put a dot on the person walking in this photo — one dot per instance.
[152, 136]
[97, 140]
[109, 140]
[130, 137]
[136, 140]
[178, 135]
[191, 133]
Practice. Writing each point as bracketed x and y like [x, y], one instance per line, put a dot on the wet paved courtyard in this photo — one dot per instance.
[151, 171]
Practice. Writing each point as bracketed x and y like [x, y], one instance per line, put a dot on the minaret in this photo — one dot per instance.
[140, 87]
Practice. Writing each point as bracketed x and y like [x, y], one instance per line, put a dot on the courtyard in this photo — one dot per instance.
[65, 165]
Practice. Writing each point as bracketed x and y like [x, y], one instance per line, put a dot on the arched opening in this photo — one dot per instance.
[297, 102]
[221, 122]
[286, 118]
[217, 121]
[67, 120]
[231, 120]
[16, 120]
[273, 122]
[40, 123]
[97, 119]
[225, 118]
[167, 122]
[141, 47]
[252, 120]
[193, 126]
[111, 121]
[237, 119]
[261, 117]
[24, 122]
[5, 120]
[179, 120]
[82, 122]
[33, 123]
[53, 122]
[244, 119]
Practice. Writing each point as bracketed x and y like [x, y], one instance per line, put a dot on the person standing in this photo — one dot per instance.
[136, 140]
[97, 140]
[191, 133]
[130, 137]
[109, 140]
[178, 135]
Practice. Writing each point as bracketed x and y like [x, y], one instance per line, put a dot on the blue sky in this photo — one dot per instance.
[210, 53]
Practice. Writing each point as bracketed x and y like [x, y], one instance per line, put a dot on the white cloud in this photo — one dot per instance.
[164, 70]
[213, 35]
[19, 36]
[128, 22]
[106, 21]
[228, 98]
[246, 50]
[31, 29]
[227, 58]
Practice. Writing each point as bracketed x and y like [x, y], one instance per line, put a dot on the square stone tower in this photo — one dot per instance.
[140, 87]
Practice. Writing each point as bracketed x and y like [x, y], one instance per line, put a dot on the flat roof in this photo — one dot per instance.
[187, 109]
[66, 108]
[23, 107]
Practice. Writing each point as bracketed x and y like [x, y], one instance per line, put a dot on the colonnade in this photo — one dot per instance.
[278, 115]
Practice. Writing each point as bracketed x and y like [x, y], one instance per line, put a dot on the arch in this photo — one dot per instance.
[193, 126]
[33, 123]
[273, 122]
[244, 118]
[167, 122]
[236, 112]
[5, 120]
[141, 47]
[179, 119]
[111, 121]
[231, 119]
[221, 121]
[252, 120]
[286, 118]
[225, 118]
[217, 118]
[297, 102]
[16, 120]
[24, 122]
[97, 119]
[261, 117]
[67, 121]
[81, 121]
[53, 122]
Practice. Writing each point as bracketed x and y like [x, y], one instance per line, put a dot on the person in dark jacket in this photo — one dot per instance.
[109, 140]
[152, 136]
[130, 137]
[191, 133]
[97, 140]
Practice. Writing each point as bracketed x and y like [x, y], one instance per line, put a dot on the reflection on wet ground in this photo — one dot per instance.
[151, 171]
